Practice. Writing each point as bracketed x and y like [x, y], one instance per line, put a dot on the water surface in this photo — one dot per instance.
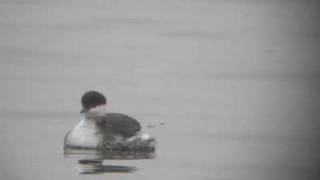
[229, 88]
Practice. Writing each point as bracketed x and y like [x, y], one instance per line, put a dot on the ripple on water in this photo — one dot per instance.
[91, 161]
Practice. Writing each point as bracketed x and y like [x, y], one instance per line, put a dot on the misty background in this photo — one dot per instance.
[236, 83]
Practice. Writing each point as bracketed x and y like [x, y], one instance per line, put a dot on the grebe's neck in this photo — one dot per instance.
[95, 112]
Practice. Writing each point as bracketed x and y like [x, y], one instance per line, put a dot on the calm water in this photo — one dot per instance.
[229, 88]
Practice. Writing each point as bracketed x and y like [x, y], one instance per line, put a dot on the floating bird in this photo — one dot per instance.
[104, 130]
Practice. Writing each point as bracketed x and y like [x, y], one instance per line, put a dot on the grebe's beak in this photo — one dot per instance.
[83, 111]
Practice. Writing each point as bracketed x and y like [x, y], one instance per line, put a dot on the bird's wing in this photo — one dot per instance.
[117, 123]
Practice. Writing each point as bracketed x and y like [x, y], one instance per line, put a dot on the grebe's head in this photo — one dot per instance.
[92, 99]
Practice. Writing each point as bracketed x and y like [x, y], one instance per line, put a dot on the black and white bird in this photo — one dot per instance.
[101, 129]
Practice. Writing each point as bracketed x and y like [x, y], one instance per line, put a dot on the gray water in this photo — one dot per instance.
[229, 88]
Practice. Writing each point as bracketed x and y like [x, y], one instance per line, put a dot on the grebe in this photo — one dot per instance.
[101, 129]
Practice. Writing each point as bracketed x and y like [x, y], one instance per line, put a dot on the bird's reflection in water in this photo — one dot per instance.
[91, 160]
[96, 167]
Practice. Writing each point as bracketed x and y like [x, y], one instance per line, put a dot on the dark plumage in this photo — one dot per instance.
[111, 123]
[116, 123]
[92, 99]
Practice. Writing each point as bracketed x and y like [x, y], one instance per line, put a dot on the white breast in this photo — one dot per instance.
[84, 134]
